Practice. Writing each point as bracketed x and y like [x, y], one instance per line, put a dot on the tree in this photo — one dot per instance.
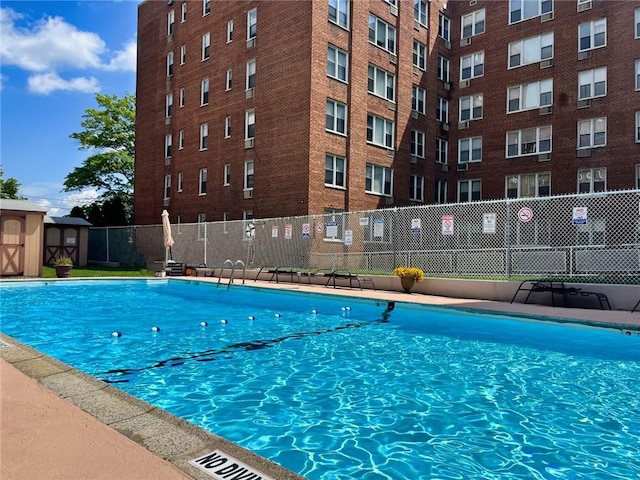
[110, 131]
[9, 188]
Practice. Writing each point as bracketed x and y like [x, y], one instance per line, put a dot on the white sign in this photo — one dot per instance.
[306, 230]
[70, 241]
[416, 225]
[447, 225]
[364, 221]
[348, 237]
[332, 229]
[319, 227]
[579, 215]
[288, 231]
[525, 214]
[222, 466]
[378, 227]
[274, 231]
[488, 223]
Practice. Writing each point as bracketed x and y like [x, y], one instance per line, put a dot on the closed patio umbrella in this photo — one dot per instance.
[168, 239]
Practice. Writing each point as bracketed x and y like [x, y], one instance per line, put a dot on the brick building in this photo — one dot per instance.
[281, 108]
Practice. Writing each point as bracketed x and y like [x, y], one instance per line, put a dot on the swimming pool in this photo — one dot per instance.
[355, 390]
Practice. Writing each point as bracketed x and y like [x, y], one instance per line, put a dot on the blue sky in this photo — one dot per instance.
[54, 57]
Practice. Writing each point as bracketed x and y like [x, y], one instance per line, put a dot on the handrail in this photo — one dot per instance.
[233, 269]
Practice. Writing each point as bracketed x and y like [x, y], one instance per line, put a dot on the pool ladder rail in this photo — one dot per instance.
[232, 265]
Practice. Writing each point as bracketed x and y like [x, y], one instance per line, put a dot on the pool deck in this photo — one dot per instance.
[58, 423]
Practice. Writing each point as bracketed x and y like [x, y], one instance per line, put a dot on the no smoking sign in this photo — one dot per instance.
[525, 214]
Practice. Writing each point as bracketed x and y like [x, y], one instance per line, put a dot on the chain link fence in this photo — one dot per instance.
[594, 238]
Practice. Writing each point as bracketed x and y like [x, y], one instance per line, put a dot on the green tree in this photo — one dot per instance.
[9, 188]
[109, 131]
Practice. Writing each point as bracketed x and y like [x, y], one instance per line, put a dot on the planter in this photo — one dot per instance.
[63, 271]
[407, 283]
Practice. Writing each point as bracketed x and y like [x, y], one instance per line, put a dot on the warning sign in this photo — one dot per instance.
[525, 214]
[447, 225]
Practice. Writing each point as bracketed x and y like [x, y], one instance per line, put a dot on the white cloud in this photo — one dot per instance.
[45, 83]
[125, 59]
[57, 205]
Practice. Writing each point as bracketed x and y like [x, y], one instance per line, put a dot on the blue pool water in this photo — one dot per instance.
[354, 390]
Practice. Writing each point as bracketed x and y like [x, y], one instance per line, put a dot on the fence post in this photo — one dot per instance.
[107, 233]
[507, 235]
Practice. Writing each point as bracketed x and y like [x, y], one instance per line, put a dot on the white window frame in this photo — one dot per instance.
[206, 7]
[167, 187]
[168, 112]
[227, 126]
[249, 175]
[421, 12]
[204, 92]
[637, 75]
[206, 46]
[593, 31]
[249, 124]
[168, 145]
[381, 83]
[230, 31]
[181, 97]
[183, 12]
[637, 23]
[204, 136]
[416, 188]
[594, 178]
[440, 192]
[442, 150]
[228, 80]
[443, 68]
[380, 131]
[524, 146]
[592, 133]
[530, 96]
[418, 139]
[474, 105]
[251, 74]
[470, 145]
[592, 83]
[442, 110]
[542, 46]
[171, 22]
[638, 127]
[202, 181]
[335, 171]
[180, 182]
[473, 24]
[382, 34]
[472, 66]
[252, 23]
[170, 64]
[378, 180]
[418, 99]
[337, 63]
[419, 55]
[638, 179]
[181, 139]
[473, 194]
[336, 117]
[183, 54]
[339, 13]
[226, 175]
[444, 27]
[523, 6]
[541, 182]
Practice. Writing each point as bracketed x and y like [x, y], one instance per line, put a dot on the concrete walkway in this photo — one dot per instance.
[89, 431]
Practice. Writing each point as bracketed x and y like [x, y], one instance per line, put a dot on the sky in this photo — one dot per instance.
[54, 57]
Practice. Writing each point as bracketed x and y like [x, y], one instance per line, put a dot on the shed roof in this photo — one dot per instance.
[20, 205]
[80, 222]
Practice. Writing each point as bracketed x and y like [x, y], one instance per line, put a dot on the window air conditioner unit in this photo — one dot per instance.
[251, 42]
[472, 2]
[463, 166]
[465, 41]
[445, 127]
[544, 157]
[167, 161]
[444, 167]
[248, 143]
[584, 152]
[584, 103]
[416, 70]
[464, 83]
[447, 86]
[546, 17]
[463, 125]
[248, 194]
[167, 121]
[394, 10]
[392, 106]
[584, 55]
[393, 58]
[390, 153]
[546, 110]
[546, 63]
[582, 6]
[414, 159]
[414, 114]
[447, 44]
[250, 92]
[388, 200]
[416, 25]
[170, 37]
[166, 202]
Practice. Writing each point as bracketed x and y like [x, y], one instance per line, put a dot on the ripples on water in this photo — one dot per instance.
[414, 393]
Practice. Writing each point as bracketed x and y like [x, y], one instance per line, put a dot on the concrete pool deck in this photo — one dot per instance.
[58, 423]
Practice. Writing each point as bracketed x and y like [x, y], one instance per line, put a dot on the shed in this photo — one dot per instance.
[21, 238]
[66, 236]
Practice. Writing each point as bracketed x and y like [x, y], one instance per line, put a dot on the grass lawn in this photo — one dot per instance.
[98, 271]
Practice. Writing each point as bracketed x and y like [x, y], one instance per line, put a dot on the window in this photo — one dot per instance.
[169, 64]
[471, 107]
[418, 99]
[530, 141]
[593, 233]
[204, 92]
[442, 110]
[339, 12]
[469, 190]
[416, 188]
[228, 80]
[183, 54]
[381, 83]
[171, 21]
[169, 105]
[204, 136]
[520, 10]
[443, 68]
[252, 23]
[637, 74]
[249, 124]
[417, 143]
[382, 34]
[226, 175]
[637, 23]
[183, 9]
[337, 63]
[531, 50]
[592, 35]
[592, 83]
[248, 174]
[181, 95]
[378, 180]
[334, 171]
[206, 46]
[528, 185]
[206, 7]
[441, 192]
[230, 31]
[167, 186]
[638, 176]
[202, 226]
[638, 128]
[530, 96]
[592, 180]
[473, 24]
[470, 149]
[336, 117]
[442, 150]
[334, 222]
[472, 66]
[227, 126]
[380, 131]
[181, 139]
[202, 182]
[180, 185]
[592, 132]
[421, 12]
[419, 55]
[251, 74]
[444, 27]
[168, 141]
